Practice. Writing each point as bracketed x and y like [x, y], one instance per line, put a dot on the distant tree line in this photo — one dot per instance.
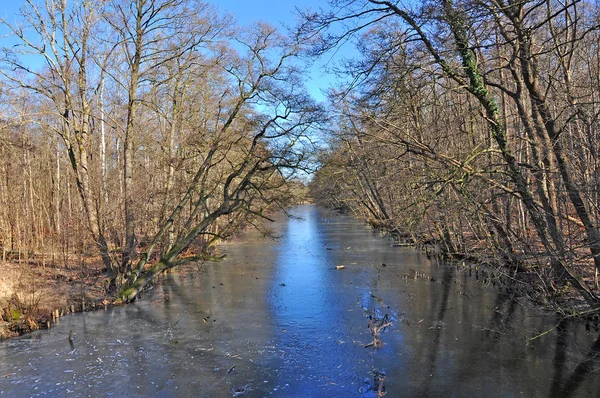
[473, 124]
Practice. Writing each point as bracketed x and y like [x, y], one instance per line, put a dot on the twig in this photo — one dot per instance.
[529, 340]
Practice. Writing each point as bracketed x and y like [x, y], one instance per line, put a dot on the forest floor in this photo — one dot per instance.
[33, 296]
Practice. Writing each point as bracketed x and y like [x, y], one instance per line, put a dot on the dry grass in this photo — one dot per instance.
[32, 296]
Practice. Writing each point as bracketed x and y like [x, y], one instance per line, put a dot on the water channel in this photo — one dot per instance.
[278, 319]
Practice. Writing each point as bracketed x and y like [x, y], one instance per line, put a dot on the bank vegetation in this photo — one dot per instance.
[473, 126]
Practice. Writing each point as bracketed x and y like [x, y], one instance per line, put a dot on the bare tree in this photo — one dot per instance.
[509, 71]
[179, 128]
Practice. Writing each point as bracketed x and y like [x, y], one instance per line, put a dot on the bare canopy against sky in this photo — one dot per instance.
[276, 12]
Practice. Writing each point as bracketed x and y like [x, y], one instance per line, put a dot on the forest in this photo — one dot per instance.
[473, 126]
[135, 135]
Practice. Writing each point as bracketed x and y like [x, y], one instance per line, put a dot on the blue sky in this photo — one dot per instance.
[276, 12]
[246, 11]
[273, 11]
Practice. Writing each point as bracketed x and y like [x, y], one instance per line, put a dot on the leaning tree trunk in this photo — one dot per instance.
[457, 23]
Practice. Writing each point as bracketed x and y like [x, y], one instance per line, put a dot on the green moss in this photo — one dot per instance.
[16, 314]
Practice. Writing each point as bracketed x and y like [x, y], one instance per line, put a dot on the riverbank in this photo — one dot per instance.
[33, 296]
[525, 277]
[277, 318]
